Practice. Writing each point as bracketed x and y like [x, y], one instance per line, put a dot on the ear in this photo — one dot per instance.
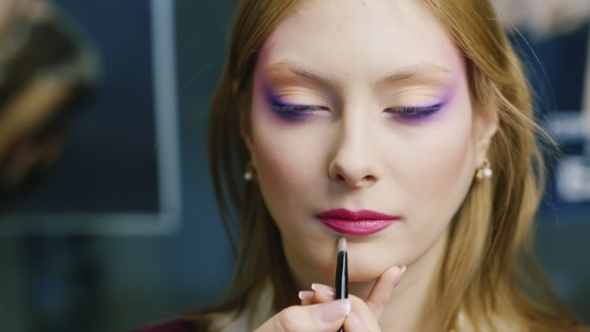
[485, 127]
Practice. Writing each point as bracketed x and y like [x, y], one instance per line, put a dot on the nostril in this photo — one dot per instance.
[354, 174]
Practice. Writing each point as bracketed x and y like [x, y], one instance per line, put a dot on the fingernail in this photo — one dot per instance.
[306, 295]
[357, 319]
[323, 289]
[400, 276]
[333, 310]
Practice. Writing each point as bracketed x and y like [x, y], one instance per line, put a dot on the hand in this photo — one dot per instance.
[324, 317]
[320, 312]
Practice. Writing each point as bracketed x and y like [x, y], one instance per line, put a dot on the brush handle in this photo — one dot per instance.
[341, 281]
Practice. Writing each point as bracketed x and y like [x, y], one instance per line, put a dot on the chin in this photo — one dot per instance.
[367, 271]
[368, 262]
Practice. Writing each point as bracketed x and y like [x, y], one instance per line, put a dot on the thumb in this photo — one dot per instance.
[325, 317]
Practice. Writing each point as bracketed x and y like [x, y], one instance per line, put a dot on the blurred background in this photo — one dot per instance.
[107, 218]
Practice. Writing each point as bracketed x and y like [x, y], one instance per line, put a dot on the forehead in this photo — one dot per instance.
[361, 38]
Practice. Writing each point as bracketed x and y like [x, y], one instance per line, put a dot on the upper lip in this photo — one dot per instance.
[355, 215]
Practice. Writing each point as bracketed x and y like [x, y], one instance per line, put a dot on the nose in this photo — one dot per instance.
[355, 162]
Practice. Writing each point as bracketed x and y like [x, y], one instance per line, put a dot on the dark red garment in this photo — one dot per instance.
[168, 326]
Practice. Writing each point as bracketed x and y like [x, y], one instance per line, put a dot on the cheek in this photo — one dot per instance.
[439, 168]
[283, 158]
[290, 170]
[445, 159]
[453, 159]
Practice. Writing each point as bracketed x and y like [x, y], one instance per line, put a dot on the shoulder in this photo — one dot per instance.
[168, 326]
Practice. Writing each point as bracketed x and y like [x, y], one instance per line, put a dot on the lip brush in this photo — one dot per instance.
[341, 280]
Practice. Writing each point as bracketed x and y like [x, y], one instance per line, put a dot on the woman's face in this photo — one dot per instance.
[362, 105]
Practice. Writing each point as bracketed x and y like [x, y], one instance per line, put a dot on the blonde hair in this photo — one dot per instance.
[479, 286]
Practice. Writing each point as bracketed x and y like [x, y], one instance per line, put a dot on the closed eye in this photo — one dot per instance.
[414, 113]
[287, 108]
[281, 107]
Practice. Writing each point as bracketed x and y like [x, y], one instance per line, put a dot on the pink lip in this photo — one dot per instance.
[361, 222]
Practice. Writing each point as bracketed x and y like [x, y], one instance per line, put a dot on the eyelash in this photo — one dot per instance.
[414, 113]
[410, 113]
[284, 108]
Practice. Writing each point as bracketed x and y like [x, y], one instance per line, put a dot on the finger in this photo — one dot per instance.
[362, 313]
[323, 293]
[354, 323]
[370, 310]
[325, 317]
[306, 297]
[381, 292]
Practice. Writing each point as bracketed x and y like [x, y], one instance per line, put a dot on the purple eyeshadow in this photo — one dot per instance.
[298, 112]
[418, 114]
[288, 111]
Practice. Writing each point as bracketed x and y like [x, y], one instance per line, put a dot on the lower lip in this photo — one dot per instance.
[356, 227]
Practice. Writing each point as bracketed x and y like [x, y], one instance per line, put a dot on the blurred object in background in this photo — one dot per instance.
[543, 18]
[118, 173]
[553, 38]
[64, 282]
[46, 67]
[81, 162]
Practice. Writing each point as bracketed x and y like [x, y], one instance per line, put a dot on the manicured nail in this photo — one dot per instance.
[357, 319]
[332, 311]
[400, 276]
[323, 289]
[306, 295]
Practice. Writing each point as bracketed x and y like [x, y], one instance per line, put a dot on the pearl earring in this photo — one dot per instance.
[484, 171]
[250, 172]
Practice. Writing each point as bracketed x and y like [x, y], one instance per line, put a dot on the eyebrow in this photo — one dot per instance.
[288, 70]
[418, 74]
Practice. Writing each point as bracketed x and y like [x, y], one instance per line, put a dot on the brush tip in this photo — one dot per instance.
[342, 243]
